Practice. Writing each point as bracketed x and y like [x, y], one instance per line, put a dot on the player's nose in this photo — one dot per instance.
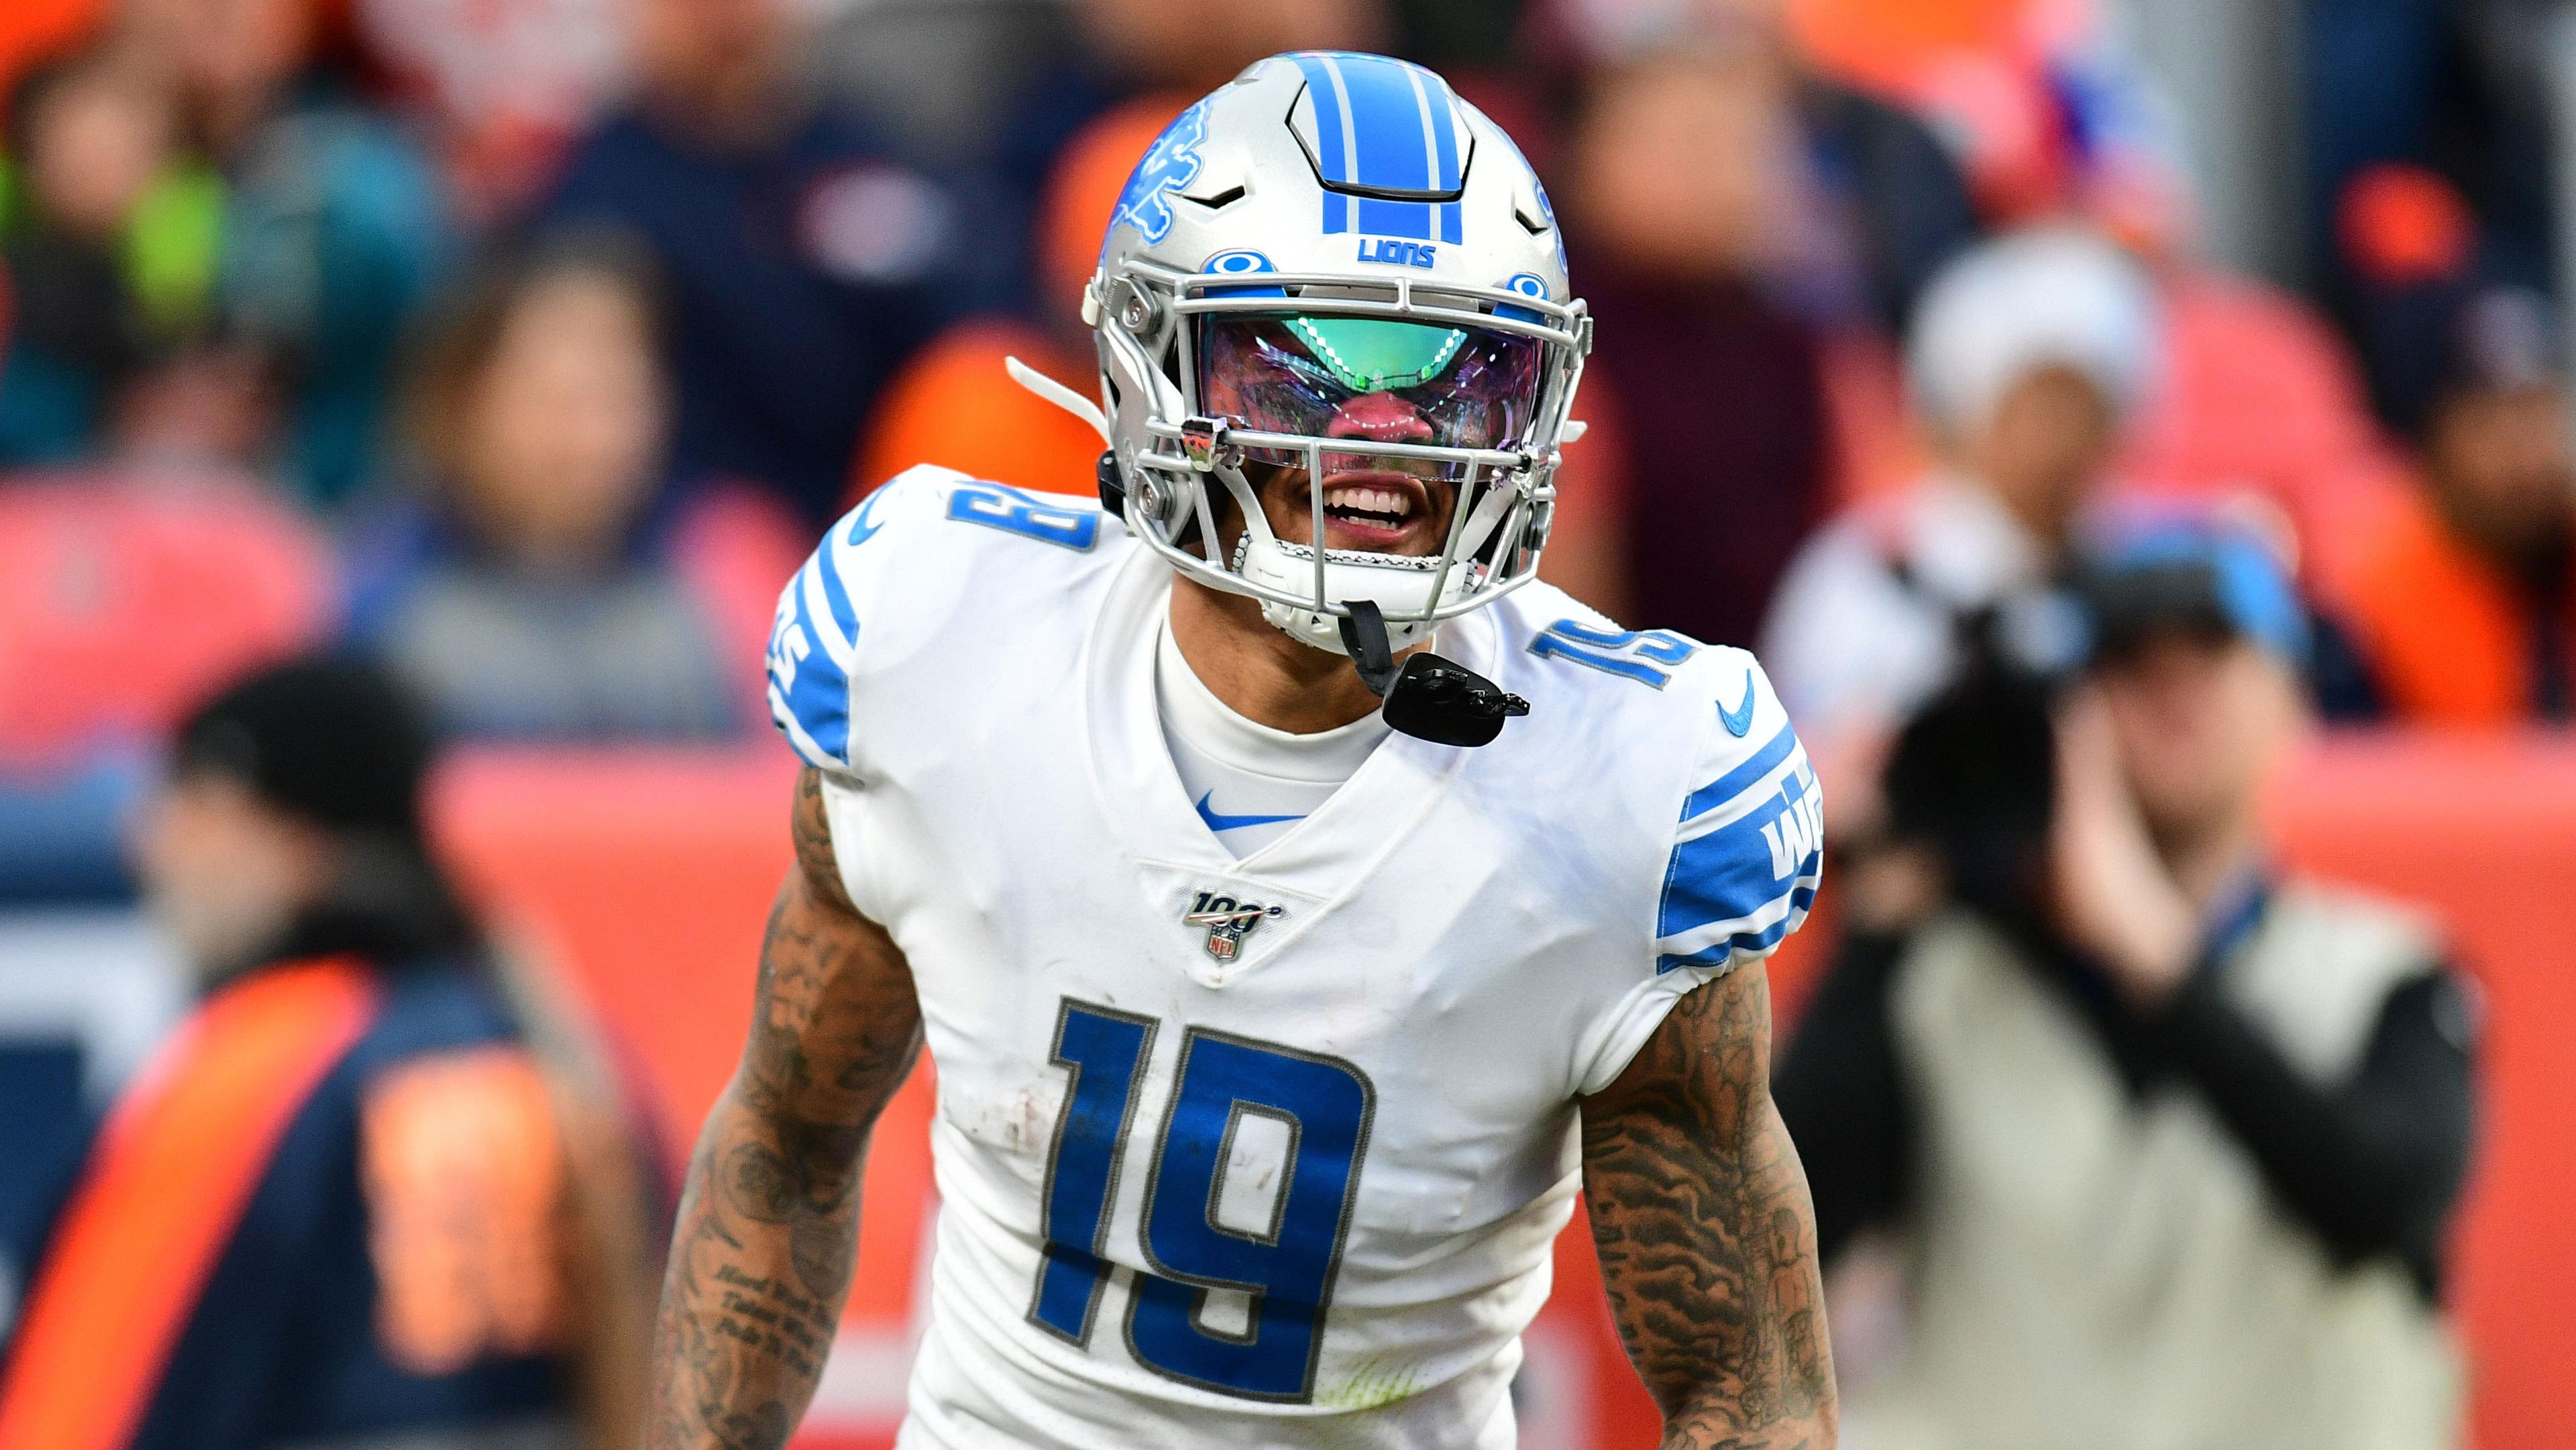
[1380, 418]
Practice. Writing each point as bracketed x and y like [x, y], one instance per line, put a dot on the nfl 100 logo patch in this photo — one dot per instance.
[1228, 921]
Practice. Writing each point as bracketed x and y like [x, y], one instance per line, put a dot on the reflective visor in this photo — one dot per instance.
[1447, 386]
[1369, 355]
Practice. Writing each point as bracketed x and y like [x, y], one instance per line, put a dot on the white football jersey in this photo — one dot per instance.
[1269, 1151]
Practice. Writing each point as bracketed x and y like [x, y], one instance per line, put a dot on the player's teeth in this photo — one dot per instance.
[1371, 500]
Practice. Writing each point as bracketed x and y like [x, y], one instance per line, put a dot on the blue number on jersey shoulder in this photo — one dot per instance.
[1288, 1272]
[1630, 654]
[999, 506]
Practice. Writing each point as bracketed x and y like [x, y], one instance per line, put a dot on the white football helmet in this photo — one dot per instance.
[1336, 267]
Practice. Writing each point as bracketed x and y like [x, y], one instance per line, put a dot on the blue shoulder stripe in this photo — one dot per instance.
[812, 644]
[811, 704]
[1726, 875]
[836, 595]
[1743, 777]
[1764, 940]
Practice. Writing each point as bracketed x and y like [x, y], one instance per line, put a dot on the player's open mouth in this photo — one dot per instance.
[1374, 510]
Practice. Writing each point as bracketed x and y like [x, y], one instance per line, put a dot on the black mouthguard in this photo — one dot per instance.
[1113, 486]
[1429, 698]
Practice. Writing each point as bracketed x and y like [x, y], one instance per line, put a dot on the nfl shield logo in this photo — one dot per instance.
[1227, 921]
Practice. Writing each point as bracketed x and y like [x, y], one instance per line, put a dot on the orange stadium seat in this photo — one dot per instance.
[2261, 397]
[122, 600]
[953, 405]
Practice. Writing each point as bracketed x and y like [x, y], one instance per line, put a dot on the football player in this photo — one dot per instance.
[1301, 901]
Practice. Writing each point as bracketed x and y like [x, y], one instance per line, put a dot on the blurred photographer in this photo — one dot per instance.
[2170, 1138]
[2028, 359]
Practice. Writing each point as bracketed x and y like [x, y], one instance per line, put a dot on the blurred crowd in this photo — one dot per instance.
[523, 346]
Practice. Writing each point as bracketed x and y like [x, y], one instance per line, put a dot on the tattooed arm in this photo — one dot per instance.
[1707, 1240]
[760, 1260]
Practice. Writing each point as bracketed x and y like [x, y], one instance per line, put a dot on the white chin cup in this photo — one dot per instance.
[1400, 585]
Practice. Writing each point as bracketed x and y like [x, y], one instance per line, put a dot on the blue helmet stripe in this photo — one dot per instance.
[1394, 155]
[1440, 117]
[1390, 126]
[1439, 127]
[1396, 218]
[1435, 174]
[1334, 149]
[1332, 137]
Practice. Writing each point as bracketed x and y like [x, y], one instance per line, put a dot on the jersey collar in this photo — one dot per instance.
[1139, 789]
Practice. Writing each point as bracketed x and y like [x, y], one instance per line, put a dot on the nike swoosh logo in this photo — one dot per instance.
[1739, 719]
[1216, 822]
[861, 530]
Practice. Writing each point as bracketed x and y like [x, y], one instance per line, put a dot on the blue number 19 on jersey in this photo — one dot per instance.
[1287, 1270]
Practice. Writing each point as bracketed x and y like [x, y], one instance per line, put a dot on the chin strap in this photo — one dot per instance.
[1428, 697]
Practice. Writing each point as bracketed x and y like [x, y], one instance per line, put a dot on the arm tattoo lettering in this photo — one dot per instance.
[1706, 1235]
[768, 1226]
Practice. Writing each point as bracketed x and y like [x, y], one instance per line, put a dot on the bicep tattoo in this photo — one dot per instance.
[1707, 1238]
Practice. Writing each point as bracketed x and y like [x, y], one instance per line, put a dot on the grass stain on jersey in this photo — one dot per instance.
[1374, 1384]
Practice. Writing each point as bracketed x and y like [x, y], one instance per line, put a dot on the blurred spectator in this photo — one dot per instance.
[355, 1197]
[526, 593]
[2027, 358]
[1144, 54]
[504, 87]
[1880, 203]
[334, 230]
[2426, 121]
[946, 77]
[2045, 102]
[2170, 1140]
[111, 238]
[954, 405]
[1708, 391]
[1866, 206]
[2057, 118]
[2460, 600]
[803, 264]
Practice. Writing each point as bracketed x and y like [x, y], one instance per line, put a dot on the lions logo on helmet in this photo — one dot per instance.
[1172, 164]
[1412, 313]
